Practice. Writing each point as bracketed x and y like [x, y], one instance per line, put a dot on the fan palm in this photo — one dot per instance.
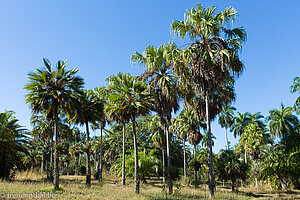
[226, 119]
[88, 110]
[158, 138]
[102, 94]
[129, 97]
[211, 59]
[158, 62]
[51, 91]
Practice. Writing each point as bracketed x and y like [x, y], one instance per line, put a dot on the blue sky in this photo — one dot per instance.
[99, 37]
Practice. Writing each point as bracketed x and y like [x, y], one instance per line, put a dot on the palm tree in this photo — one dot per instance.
[51, 91]
[282, 122]
[239, 125]
[211, 59]
[296, 88]
[158, 62]
[102, 94]
[130, 96]
[226, 119]
[158, 138]
[13, 141]
[88, 110]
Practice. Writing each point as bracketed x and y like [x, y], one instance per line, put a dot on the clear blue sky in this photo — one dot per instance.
[98, 37]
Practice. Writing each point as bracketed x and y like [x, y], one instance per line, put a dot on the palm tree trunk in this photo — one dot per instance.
[195, 160]
[56, 157]
[51, 160]
[68, 161]
[256, 184]
[76, 165]
[46, 167]
[136, 160]
[163, 163]
[168, 158]
[184, 161]
[42, 164]
[226, 137]
[123, 156]
[209, 146]
[100, 168]
[245, 148]
[88, 167]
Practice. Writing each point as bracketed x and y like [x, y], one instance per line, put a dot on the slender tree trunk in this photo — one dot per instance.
[100, 168]
[168, 159]
[184, 161]
[163, 162]
[123, 156]
[88, 167]
[76, 165]
[226, 138]
[209, 146]
[223, 183]
[68, 161]
[232, 186]
[56, 157]
[42, 164]
[46, 167]
[51, 160]
[136, 160]
[245, 148]
[195, 160]
[256, 184]
[281, 182]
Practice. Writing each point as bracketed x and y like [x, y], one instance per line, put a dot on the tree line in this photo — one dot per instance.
[139, 136]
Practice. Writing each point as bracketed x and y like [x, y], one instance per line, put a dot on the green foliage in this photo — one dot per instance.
[230, 166]
[148, 164]
[13, 142]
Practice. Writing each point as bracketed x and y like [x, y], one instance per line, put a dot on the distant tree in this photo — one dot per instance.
[282, 122]
[226, 120]
[88, 110]
[295, 88]
[230, 167]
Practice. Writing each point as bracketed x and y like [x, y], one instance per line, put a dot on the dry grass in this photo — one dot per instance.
[73, 187]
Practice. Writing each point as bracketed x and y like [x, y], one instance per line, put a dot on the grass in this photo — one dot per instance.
[73, 187]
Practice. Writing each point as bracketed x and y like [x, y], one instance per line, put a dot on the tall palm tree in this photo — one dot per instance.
[130, 96]
[88, 110]
[51, 91]
[211, 58]
[158, 74]
[102, 94]
[158, 138]
[226, 119]
[282, 122]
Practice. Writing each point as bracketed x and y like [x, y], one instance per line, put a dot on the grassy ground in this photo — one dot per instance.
[73, 187]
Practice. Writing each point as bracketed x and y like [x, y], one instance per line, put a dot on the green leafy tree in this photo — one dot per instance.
[212, 57]
[52, 91]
